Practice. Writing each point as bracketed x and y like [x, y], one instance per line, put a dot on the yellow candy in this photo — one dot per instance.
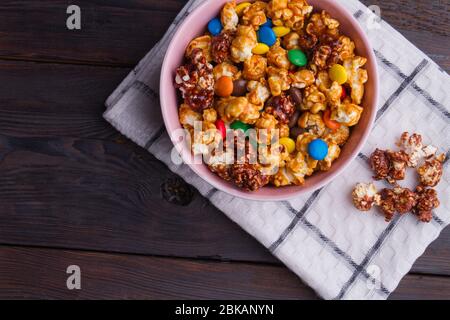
[288, 143]
[281, 31]
[337, 73]
[241, 6]
[261, 48]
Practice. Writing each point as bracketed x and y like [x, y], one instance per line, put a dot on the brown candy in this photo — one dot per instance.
[296, 95]
[239, 88]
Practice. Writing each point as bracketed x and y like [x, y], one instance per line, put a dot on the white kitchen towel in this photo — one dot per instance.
[321, 237]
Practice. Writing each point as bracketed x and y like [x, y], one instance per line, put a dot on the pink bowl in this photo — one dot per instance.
[194, 25]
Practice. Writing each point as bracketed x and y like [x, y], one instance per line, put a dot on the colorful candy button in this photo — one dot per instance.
[338, 73]
[215, 26]
[288, 143]
[331, 124]
[220, 125]
[281, 31]
[241, 6]
[224, 86]
[297, 57]
[239, 125]
[267, 36]
[268, 23]
[261, 48]
[318, 149]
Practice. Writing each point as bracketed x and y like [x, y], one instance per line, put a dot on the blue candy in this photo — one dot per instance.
[318, 149]
[215, 26]
[267, 36]
[268, 23]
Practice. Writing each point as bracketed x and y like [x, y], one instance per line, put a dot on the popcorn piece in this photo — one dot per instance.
[195, 81]
[282, 107]
[237, 108]
[339, 136]
[220, 46]
[314, 100]
[322, 26]
[291, 14]
[430, 173]
[277, 57]
[248, 176]
[210, 115]
[345, 48]
[380, 164]
[302, 78]
[255, 68]
[331, 89]
[387, 203]
[283, 178]
[188, 116]
[357, 77]
[278, 79]
[243, 43]
[258, 93]
[254, 14]
[347, 114]
[321, 56]
[225, 69]
[291, 41]
[303, 141]
[266, 121]
[401, 200]
[229, 17]
[398, 162]
[312, 123]
[203, 43]
[333, 153]
[365, 196]
[416, 151]
[427, 200]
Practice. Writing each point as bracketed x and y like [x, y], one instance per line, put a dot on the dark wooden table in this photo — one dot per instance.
[73, 191]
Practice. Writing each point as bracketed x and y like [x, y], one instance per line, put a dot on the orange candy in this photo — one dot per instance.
[333, 125]
[224, 86]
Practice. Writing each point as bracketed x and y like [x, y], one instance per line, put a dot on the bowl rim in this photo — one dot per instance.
[276, 196]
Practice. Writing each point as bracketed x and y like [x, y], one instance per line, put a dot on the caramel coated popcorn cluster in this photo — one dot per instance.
[391, 166]
[283, 70]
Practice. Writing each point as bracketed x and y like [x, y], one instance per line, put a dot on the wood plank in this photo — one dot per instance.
[40, 99]
[102, 195]
[121, 32]
[41, 273]
[112, 32]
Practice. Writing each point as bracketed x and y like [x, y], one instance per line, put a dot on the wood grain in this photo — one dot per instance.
[41, 273]
[121, 32]
[102, 195]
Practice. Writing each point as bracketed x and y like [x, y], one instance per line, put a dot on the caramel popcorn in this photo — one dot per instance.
[347, 114]
[427, 200]
[416, 151]
[430, 173]
[380, 164]
[312, 123]
[229, 17]
[291, 41]
[278, 80]
[401, 200]
[398, 162]
[254, 15]
[302, 78]
[243, 43]
[237, 108]
[339, 136]
[365, 196]
[255, 68]
[313, 100]
[357, 77]
[277, 57]
[333, 153]
[203, 43]
[225, 69]
[258, 93]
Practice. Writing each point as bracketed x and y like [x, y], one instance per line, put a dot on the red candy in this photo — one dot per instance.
[220, 125]
[344, 93]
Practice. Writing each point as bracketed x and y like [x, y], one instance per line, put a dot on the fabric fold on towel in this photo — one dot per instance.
[340, 252]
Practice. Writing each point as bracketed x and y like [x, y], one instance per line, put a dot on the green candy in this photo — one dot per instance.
[238, 125]
[297, 57]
